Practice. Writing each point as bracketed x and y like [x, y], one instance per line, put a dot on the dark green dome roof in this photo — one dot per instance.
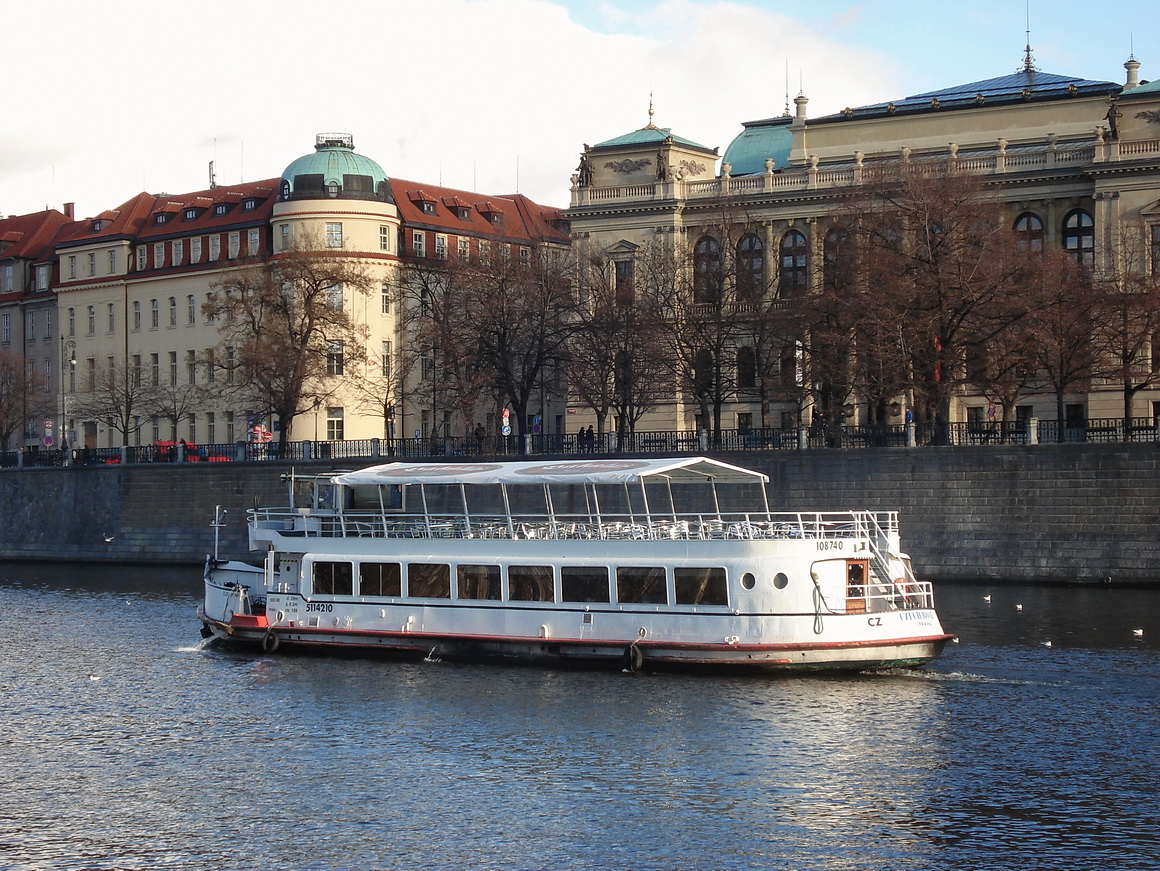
[334, 171]
[760, 140]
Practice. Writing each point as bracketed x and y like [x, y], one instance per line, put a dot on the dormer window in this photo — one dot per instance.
[428, 208]
[191, 214]
[220, 209]
[463, 213]
[332, 189]
[99, 225]
[160, 218]
[250, 205]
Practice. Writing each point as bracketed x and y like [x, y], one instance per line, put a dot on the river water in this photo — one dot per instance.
[128, 745]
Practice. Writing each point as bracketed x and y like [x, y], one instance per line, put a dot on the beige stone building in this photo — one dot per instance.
[133, 283]
[1076, 163]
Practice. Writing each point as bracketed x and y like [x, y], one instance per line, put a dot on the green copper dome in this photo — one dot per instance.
[334, 171]
[760, 140]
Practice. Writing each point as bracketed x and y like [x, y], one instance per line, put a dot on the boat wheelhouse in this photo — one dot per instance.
[636, 563]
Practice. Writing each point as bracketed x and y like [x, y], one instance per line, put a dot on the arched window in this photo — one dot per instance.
[1079, 237]
[1029, 232]
[794, 277]
[707, 270]
[838, 259]
[750, 269]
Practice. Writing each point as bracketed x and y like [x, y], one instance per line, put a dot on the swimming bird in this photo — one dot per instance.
[1018, 607]
[1137, 632]
[986, 598]
[94, 677]
[1047, 644]
[109, 538]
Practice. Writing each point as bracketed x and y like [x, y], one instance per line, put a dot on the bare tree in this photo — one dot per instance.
[942, 262]
[17, 385]
[287, 329]
[119, 398]
[616, 359]
[1127, 324]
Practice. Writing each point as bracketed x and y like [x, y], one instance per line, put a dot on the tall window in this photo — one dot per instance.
[235, 243]
[1079, 237]
[155, 369]
[1029, 232]
[386, 351]
[750, 269]
[417, 239]
[440, 246]
[178, 251]
[92, 319]
[112, 261]
[215, 246]
[72, 321]
[746, 368]
[334, 235]
[172, 368]
[154, 314]
[158, 255]
[624, 282]
[111, 316]
[838, 260]
[195, 250]
[707, 278]
[283, 237]
[72, 265]
[190, 310]
[384, 238]
[386, 298]
[92, 263]
[334, 358]
[173, 311]
[334, 297]
[191, 367]
[136, 315]
[334, 425]
[254, 242]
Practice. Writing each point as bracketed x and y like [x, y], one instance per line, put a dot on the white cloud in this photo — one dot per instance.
[477, 94]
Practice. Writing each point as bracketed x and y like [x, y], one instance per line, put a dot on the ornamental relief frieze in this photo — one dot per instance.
[628, 165]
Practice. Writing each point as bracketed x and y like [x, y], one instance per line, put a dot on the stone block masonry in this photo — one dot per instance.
[1043, 514]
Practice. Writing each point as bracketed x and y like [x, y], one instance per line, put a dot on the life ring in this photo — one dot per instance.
[270, 642]
[633, 658]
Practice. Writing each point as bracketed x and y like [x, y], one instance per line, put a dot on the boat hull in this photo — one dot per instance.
[248, 633]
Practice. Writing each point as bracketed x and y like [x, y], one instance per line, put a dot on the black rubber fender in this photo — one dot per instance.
[633, 658]
[270, 643]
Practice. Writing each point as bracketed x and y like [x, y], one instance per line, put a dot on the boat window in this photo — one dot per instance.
[530, 584]
[748, 581]
[641, 584]
[429, 580]
[477, 582]
[700, 586]
[584, 583]
[380, 579]
[780, 580]
[333, 579]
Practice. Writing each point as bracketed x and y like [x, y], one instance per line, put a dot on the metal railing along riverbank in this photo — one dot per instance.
[660, 442]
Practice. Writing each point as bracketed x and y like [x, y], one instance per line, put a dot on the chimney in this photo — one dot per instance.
[68, 210]
[1133, 67]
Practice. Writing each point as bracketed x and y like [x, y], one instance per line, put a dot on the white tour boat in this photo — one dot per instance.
[633, 563]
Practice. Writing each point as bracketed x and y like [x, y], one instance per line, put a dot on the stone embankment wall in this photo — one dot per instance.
[1046, 513]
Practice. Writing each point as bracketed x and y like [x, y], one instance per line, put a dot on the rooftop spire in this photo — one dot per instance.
[1028, 58]
[650, 125]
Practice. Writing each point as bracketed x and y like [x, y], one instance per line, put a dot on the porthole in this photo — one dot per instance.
[780, 580]
[748, 581]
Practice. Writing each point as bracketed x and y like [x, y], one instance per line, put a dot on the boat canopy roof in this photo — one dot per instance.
[683, 470]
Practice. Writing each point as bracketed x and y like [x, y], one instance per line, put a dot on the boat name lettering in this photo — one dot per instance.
[319, 606]
[831, 544]
[874, 621]
[920, 616]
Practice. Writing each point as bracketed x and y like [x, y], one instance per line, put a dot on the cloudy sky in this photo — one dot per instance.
[107, 99]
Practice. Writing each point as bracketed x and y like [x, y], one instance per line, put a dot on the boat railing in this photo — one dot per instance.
[736, 526]
[893, 595]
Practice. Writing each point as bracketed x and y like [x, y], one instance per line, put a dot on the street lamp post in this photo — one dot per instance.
[68, 360]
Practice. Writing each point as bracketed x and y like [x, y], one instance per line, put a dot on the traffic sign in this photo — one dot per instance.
[506, 430]
[48, 423]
